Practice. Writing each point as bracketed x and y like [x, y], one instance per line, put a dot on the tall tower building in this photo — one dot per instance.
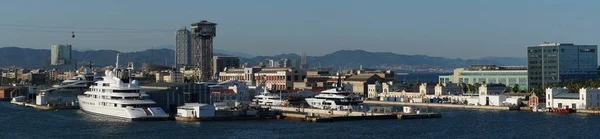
[183, 47]
[60, 54]
[303, 64]
[203, 33]
[550, 63]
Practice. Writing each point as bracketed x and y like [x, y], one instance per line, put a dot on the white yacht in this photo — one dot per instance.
[266, 98]
[117, 95]
[337, 99]
[66, 92]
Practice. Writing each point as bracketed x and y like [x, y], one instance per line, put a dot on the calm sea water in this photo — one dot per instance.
[22, 122]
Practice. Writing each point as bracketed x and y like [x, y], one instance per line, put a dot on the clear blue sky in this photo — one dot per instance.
[447, 28]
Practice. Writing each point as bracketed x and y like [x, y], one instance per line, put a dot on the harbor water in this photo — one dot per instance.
[25, 122]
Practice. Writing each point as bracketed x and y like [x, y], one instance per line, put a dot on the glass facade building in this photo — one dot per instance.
[507, 75]
[555, 62]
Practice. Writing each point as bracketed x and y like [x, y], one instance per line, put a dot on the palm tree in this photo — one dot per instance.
[464, 87]
[515, 88]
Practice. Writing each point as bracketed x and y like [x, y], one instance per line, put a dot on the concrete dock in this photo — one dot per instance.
[48, 107]
[320, 115]
[441, 105]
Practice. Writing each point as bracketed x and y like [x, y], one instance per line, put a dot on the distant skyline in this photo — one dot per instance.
[453, 29]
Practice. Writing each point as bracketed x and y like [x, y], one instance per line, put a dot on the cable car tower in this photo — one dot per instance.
[203, 33]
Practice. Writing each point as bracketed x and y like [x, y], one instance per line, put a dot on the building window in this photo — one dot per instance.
[559, 105]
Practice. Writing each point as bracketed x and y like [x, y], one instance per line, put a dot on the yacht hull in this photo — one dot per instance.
[91, 106]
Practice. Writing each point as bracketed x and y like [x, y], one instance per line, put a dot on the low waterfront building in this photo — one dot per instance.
[586, 98]
[489, 74]
[196, 110]
[360, 82]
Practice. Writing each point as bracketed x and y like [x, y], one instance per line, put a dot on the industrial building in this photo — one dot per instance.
[169, 96]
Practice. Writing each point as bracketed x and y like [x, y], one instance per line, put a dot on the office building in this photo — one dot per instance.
[183, 47]
[203, 33]
[60, 54]
[489, 74]
[550, 63]
[222, 62]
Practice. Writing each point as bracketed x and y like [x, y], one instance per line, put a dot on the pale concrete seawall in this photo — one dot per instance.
[322, 112]
[437, 105]
[320, 115]
[588, 111]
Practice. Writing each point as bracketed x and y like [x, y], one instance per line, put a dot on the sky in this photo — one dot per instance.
[454, 29]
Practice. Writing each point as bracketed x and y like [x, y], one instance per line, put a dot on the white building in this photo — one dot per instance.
[196, 110]
[377, 88]
[491, 95]
[561, 98]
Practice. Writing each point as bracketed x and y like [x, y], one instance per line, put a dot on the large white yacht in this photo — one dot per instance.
[117, 95]
[266, 98]
[66, 92]
[337, 98]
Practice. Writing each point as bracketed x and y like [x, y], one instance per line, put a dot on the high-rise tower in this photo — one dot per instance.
[203, 33]
[303, 64]
[183, 47]
[60, 55]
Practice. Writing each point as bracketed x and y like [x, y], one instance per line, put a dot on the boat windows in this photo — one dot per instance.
[105, 84]
[126, 91]
[138, 105]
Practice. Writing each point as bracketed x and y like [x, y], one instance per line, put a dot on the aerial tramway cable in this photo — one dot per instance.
[85, 30]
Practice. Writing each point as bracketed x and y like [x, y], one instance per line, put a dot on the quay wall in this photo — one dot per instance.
[588, 111]
[321, 112]
[437, 105]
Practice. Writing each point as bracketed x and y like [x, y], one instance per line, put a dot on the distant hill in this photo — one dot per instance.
[356, 58]
[37, 58]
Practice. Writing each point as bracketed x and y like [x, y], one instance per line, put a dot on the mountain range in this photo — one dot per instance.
[38, 58]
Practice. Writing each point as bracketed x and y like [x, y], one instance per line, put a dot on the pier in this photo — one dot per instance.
[441, 105]
[47, 107]
[321, 115]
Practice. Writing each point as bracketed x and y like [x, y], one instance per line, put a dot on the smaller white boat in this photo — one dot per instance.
[270, 99]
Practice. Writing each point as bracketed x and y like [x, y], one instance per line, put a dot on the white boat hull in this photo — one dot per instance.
[327, 104]
[127, 113]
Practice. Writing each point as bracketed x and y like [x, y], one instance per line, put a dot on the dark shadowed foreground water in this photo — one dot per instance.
[22, 122]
